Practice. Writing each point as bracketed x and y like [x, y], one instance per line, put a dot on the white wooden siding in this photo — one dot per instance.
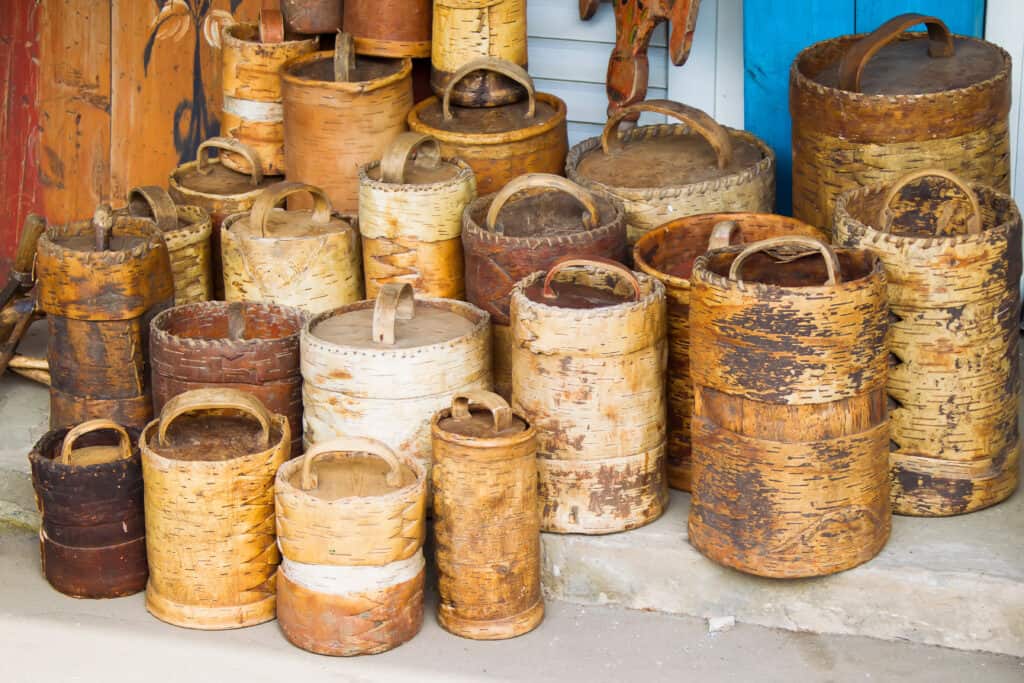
[1004, 25]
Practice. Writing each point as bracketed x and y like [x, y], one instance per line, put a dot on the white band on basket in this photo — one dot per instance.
[252, 110]
[347, 580]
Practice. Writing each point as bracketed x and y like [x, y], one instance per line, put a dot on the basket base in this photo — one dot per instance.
[494, 629]
[209, 618]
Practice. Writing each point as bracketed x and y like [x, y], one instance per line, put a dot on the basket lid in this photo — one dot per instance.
[414, 159]
[352, 467]
[667, 156]
[546, 205]
[791, 261]
[930, 203]
[615, 285]
[888, 61]
[211, 177]
[266, 221]
[84, 456]
[481, 415]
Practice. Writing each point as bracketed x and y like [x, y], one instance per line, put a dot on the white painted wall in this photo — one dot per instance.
[1004, 25]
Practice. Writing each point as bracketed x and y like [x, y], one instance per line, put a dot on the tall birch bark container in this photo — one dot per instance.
[952, 254]
[208, 465]
[667, 253]
[350, 514]
[790, 432]
[486, 519]
[390, 28]
[588, 371]
[410, 218]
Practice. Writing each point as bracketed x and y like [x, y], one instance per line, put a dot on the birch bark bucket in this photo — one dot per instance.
[307, 259]
[312, 16]
[588, 371]
[667, 253]
[790, 432]
[868, 108]
[952, 254]
[209, 492]
[390, 28]
[350, 514]
[88, 489]
[486, 519]
[664, 172]
[499, 143]
[410, 218]
[382, 368]
[532, 222]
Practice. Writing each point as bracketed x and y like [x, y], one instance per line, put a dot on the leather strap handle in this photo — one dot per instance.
[214, 399]
[790, 241]
[230, 145]
[698, 121]
[851, 66]
[124, 441]
[498, 66]
[595, 262]
[152, 201]
[395, 301]
[548, 182]
[499, 408]
[275, 194]
[271, 25]
[401, 149]
[886, 217]
[349, 445]
[722, 234]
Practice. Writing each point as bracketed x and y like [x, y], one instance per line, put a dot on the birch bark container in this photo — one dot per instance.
[588, 372]
[952, 254]
[312, 16]
[390, 28]
[350, 515]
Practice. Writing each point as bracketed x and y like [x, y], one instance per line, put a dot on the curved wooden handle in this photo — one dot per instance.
[498, 407]
[395, 301]
[25, 255]
[214, 399]
[349, 445]
[831, 260]
[77, 431]
[271, 25]
[277, 193]
[851, 66]
[544, 181]
[591, 262]
[885, 215]
[152, 201]
[392, 164]
[699, 121]
[230, 145]
[722, 234]
[498, 66]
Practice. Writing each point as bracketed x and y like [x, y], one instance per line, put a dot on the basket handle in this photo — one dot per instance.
[851, 66]
[722, 234]
[349, 445]
[395, 301]
[344, 57]
[230, 145]
[545, 181]
[84, 428]
[214, 399]
[396, 156]
[498, 66]
[811, 243]
[152, 201]
[277, 193]
[885, 215]
[699, 121]
[592, 262]
[498, 407]
[271, 25]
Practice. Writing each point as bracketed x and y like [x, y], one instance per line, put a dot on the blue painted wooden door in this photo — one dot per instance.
[774, 32]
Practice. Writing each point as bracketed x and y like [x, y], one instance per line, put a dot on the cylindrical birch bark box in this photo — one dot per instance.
[588, 371]
[486, 519]
[390, 28]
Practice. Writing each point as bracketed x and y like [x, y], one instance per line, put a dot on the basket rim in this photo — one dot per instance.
[347, 87]
[281, 421]
[481, 233]
[487, 139]
[143, 228]
[174, 183]
[159, 334]
[228, 37]
[417, 488]
[460, 178]
[656, 292]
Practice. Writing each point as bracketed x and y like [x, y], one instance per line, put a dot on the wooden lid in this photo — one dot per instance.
[265, 221]
[413, 159]
[94, 455]
[211, 178]
[667, 156]
[542, 204]
[568, 292]
[352, 467]
[481, 415]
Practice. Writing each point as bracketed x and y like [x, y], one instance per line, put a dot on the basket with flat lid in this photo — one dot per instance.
[209, 184]
[668, 171]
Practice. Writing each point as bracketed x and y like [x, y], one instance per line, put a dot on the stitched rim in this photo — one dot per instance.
[656, 292]
[478, 232]
[464, 175]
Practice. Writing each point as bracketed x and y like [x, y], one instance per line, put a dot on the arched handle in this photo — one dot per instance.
[152, 201]
[277, 193]
[698, 121]
[230, 145]
[498, 66]
[590, 262]
[498, 407]
[77, 431]
[722, 234]
[885, 215]
[395, 301]
[392, 165]
[271, 26]
[851, 66]
[811, 243]
[214, 399]
[349, 445]
[544, 181]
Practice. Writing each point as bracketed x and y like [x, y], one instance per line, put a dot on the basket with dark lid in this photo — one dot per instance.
[867, 108]
[669, 171]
